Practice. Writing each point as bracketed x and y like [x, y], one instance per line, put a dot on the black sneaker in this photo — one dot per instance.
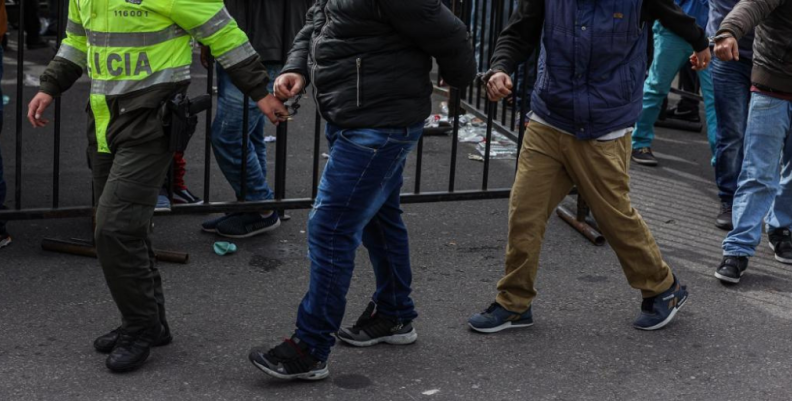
[644, 157]
[131, 351]
[210, 226]
[732, 269]
[724, 219]
[245, 225]
[781, 244]
[691, 115]
[107, 342]
[184, 196]
[372, 328]
[289, 361]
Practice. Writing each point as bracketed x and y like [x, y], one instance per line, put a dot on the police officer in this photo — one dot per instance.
[138, 55]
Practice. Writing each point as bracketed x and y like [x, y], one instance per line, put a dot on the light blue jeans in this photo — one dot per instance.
[227, 138]
[670, 54]
[766, 175]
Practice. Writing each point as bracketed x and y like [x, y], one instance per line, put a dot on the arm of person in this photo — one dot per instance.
[209, 22]
[674, 19]
[520, 37]
[435, 29]
[746, 16]
[294, 76]
[64, 70]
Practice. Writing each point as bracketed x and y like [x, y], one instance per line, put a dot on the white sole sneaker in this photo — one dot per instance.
[5, 242]
[505, 326]
[778, 258]
[731, 280]
[396, 339]
[311, 376]
[667, 320]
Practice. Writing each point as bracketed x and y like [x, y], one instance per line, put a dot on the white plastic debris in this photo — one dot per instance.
[431, 392]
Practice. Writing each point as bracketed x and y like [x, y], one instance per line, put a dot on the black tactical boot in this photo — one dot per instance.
[131, 350]
[107, 342]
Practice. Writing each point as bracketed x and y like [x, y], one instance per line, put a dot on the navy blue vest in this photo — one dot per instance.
[591, 66]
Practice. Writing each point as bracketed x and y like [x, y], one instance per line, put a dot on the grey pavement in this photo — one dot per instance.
[728, 343]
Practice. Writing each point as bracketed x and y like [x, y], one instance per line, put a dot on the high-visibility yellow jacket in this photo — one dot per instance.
[134, 48]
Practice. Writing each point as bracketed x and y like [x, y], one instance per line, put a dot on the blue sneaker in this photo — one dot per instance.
[658, 311]
[163, 203]
[495, 319]
[246, 225]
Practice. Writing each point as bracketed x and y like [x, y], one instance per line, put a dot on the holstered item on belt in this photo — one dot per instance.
[180, 119]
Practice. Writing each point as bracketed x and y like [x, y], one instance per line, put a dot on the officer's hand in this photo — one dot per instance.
[499, 86]
[727, 49]
[289, 85]
[701, 60]
[205, 54]
[36, 109]
[274, 109]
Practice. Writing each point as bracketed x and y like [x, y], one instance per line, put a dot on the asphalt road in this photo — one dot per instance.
[727, 344]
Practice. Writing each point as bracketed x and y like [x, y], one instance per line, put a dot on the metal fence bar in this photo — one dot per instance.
[57, 124]
[19, 108]
[481, 45]
[456, 97]
[208, 134]
[281, 153]
[488, 146]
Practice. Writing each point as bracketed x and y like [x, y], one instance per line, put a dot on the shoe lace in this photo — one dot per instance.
[286, 351]
[490, 308]
[645, 151]
[726, 207]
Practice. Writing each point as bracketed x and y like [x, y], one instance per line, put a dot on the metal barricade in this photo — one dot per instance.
[485, 19]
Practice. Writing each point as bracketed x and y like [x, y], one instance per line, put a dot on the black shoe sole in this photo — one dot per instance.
[396, 339]
[779, 258]
[724, 226]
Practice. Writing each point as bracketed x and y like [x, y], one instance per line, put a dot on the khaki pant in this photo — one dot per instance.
[551, 162]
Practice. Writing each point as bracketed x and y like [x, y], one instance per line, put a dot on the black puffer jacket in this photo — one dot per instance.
[773, 41]
[271, 25]
[369, 60]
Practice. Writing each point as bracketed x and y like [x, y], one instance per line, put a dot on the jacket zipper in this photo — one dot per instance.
[359, 65]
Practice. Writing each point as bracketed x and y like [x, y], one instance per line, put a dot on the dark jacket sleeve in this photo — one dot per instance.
[520, 37]
[747, 15]
[435, 29]
[298, 55]
[673, 18]
[250, 76]
[59, 76]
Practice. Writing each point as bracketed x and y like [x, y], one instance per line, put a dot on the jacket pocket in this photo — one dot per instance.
[359, 85]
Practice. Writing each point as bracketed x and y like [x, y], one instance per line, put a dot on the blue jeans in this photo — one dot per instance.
[732, 81]
[671, 53]
[227, 138]
[358, 201]
[768, 140]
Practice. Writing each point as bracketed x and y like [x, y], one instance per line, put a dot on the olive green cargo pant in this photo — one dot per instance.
[550, 163]
[126, 185]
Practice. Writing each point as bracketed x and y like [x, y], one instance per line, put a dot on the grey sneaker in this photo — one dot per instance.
[644, 157]
[373, 328]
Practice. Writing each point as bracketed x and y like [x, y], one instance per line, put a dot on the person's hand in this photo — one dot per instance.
[701, 60]
[36, 109]
[274, 109]
[727, 49]
[205, 54]
[289, 85]
[499, 86]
